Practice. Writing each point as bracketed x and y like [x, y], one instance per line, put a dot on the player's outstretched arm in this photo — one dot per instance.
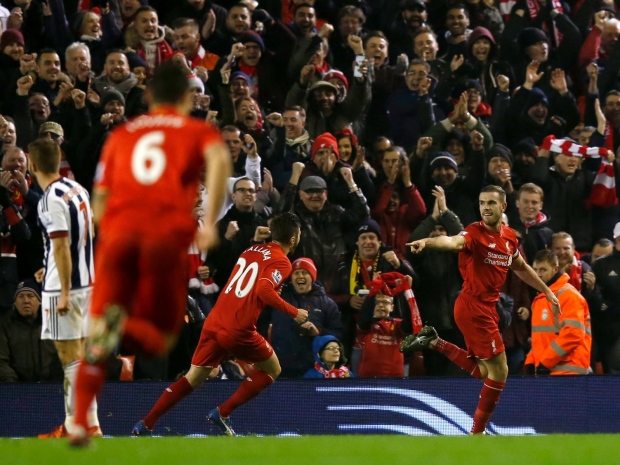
[219, 169]
[447, 243]
[270, 297]
[529, 277]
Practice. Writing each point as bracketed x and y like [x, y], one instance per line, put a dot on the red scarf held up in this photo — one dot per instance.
[575, 272]
[392, 284]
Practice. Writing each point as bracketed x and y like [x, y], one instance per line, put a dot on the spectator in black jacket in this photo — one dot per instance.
[293, 341]
[23, 355]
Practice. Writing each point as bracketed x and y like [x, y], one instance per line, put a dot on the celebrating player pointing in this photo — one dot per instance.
[487, 249]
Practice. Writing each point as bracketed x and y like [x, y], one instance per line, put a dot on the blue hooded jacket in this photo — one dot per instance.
[317, 345]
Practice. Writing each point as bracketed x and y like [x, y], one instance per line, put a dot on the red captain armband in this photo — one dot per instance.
[12, 216]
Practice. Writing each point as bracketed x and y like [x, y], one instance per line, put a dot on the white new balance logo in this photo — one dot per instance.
[492, 245]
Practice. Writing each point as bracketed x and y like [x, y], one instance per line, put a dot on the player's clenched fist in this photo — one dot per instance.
[302, 315]
[417, 246]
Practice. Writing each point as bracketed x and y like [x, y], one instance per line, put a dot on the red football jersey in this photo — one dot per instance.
[151, 167]
[254, 283]
[485, 259]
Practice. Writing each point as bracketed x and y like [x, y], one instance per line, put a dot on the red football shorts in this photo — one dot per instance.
[214, 347]
[146, 275]
[478, 323]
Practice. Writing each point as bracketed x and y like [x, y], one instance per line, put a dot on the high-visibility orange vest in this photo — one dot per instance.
[561, 341]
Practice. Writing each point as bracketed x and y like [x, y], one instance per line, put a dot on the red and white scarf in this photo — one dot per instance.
[393, 283]
[196, 259]
[603, 193]
[572, 149]
[340, 372]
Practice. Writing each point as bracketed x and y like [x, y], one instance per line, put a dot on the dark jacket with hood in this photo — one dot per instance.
[293, 345]
[534, 237]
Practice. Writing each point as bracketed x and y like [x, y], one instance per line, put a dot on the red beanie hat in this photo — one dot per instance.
[305, 264]
[324, 141]
[11, 36]
[335, 74]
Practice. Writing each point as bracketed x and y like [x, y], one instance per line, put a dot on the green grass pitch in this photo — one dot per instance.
[319, 450]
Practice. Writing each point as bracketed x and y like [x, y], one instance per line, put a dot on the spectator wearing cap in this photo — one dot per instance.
[118, 75]
[411, 108]
[567, 189]
[292, 341]
[606, 316]
[148, 38]
[324, 225]
[325, 162]
[24, 357]
[439, 282]
[524, 153]
[324, 112]
[499, 173]
[523, 42]
[411, 15]
[461, 193]
[356, 269]
[54, 131]
[12, 47]
[137, 66]
[112, 103]
[537, 114]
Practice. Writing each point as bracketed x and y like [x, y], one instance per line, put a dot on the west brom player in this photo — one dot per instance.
[66, 221]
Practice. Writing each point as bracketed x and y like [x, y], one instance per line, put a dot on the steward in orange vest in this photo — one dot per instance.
[561, 340]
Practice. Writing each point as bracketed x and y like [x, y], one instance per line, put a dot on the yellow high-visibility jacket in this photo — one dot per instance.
[561, 342]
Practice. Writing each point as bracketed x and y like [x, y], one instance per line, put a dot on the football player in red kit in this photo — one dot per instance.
[230, 328]
[487, 249]
[144, 195]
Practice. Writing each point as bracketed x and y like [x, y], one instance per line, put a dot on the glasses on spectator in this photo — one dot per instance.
[332, 349]
[51, 134]
[417, 73]
[245, 190]
[383, 303]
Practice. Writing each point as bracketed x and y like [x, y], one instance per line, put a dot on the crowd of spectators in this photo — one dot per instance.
[376, 121]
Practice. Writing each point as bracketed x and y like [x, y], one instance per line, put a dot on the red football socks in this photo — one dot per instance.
[144, 336]
[171, 396]
[88, 383]
[249, 388]
[459, 357]
[489, 396]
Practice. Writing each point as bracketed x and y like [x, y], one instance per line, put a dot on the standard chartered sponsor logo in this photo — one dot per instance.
[498, 259]
[422, 414]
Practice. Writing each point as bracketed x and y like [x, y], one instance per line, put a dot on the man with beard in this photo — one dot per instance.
[488, 249]
[411, 16]
[292, 341]
[238, 22]
[231, 327]
[426, 48]
[49, 75]
[116, 74]
[147, 37]
[187, 40]
[457, 23]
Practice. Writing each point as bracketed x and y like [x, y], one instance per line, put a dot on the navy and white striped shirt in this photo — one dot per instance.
[64, 210]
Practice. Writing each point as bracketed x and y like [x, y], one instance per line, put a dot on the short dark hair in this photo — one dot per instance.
[458, 6]
[45, 153]
[284, 226]
[424, 30]
[169, 83]
[372, 35]
[243, 178]
[183, 22]
[546, 255]
[144, 8]
[302, 5]
[44, 51]
[230, 128]
[296, 108]
[496, 189]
